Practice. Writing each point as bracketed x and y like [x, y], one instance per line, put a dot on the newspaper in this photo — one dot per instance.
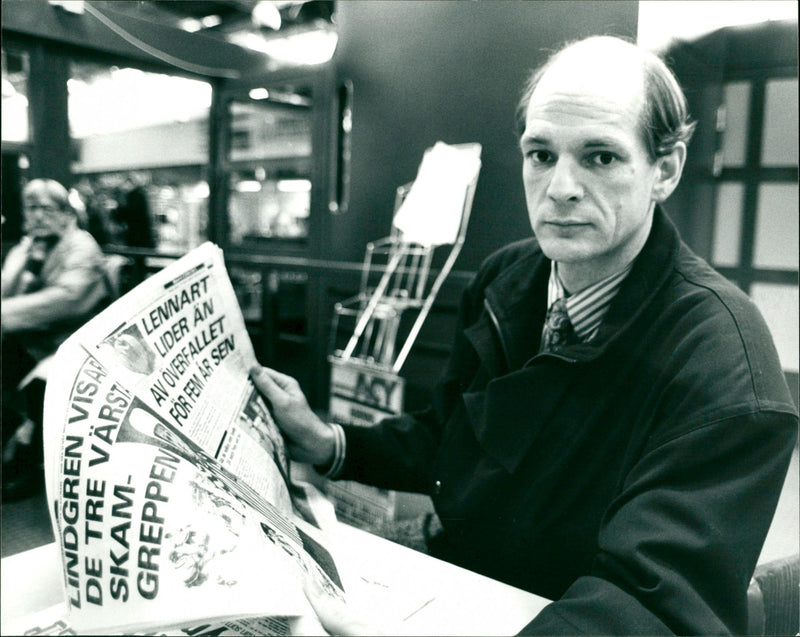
[167, 479]
[54, 621]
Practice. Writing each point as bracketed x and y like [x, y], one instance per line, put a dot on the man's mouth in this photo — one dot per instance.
[567, 223]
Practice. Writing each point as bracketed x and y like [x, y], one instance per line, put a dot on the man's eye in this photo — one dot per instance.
[603, 158]
[540, 156]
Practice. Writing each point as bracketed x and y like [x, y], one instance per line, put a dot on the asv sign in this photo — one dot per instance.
[362, 395]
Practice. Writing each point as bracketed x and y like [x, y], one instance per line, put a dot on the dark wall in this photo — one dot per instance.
[448, 70]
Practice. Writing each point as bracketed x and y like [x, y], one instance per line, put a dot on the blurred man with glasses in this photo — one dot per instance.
[53, 280]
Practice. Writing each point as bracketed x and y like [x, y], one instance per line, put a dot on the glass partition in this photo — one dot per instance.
[16, 140]
[15, 96]
[269, 166]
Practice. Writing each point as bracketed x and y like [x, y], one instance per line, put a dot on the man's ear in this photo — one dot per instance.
[669, 170]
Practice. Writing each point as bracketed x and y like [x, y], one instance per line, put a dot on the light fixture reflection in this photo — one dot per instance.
[266, 14]
[308, 47]
[259, 93]
[294, 185]
[200, 190]
[248, 185]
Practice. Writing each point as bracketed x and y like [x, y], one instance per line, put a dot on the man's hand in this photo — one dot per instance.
[335, 617]
[308, 439]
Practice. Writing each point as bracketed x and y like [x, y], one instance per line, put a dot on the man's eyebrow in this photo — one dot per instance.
[533, 139]
[595, 142]
[601, 142]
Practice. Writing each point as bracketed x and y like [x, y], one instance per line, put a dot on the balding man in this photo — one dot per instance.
[613, 428]
[53, 280]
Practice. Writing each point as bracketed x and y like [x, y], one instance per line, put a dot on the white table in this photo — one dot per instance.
[430, 596]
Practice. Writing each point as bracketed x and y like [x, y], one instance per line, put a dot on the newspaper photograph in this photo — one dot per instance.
[166, 476]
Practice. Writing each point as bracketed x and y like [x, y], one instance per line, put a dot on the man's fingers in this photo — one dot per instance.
[336, 617]
[281, 381]
[272, 383]
[264, 382]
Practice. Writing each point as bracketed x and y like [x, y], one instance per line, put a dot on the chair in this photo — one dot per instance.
[774, 598]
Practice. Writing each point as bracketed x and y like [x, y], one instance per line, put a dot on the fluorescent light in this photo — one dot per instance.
[123, 99]
[248, 185]
[308, 47]
[199, 190]
[294, 185]
[266, 14]
[71, 6]
[192, 25]
[210, 21]
[259, 93]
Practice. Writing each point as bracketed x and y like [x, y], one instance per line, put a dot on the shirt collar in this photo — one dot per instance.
[586, 308]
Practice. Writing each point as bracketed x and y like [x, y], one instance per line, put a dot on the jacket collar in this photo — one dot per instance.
[515, 297]
[516, 301]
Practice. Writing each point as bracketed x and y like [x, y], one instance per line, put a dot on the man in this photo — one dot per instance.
[53, 280]
[623, 459]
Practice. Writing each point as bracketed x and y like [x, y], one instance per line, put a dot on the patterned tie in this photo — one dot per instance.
[558, 331]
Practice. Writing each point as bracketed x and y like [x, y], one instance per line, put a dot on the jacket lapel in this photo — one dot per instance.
[513, 315]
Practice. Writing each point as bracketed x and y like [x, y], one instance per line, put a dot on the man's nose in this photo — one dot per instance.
[37, 211]
[564, 183]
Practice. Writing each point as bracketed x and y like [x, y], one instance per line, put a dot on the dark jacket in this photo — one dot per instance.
[632, 479]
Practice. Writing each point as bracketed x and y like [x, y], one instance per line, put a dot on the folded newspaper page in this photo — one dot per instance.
[54, 620]
[167, 478]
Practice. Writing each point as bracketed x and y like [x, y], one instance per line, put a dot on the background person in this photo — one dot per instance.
[134, 218]
[613, 427]
[53, 280]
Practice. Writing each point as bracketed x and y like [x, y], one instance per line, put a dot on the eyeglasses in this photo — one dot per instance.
[40, 207]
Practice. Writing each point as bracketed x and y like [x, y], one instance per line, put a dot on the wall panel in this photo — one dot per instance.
[450, 71]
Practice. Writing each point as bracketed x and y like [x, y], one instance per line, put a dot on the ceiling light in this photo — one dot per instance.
[248, 185]
[266, 14]
[308, 47]
[199, 190]
[294, 185]
[210, 21]
[192, 25]
[259, 93]
[70, 6]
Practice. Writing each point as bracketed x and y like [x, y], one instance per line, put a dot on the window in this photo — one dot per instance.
[140, 155]
[756, 214]
[269, 166]
[15, 96]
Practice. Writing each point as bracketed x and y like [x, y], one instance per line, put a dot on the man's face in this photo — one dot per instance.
[138, 358]
[43, 217]
[587, 175]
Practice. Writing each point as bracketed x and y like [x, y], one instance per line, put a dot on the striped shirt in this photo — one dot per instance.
[586, 308]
